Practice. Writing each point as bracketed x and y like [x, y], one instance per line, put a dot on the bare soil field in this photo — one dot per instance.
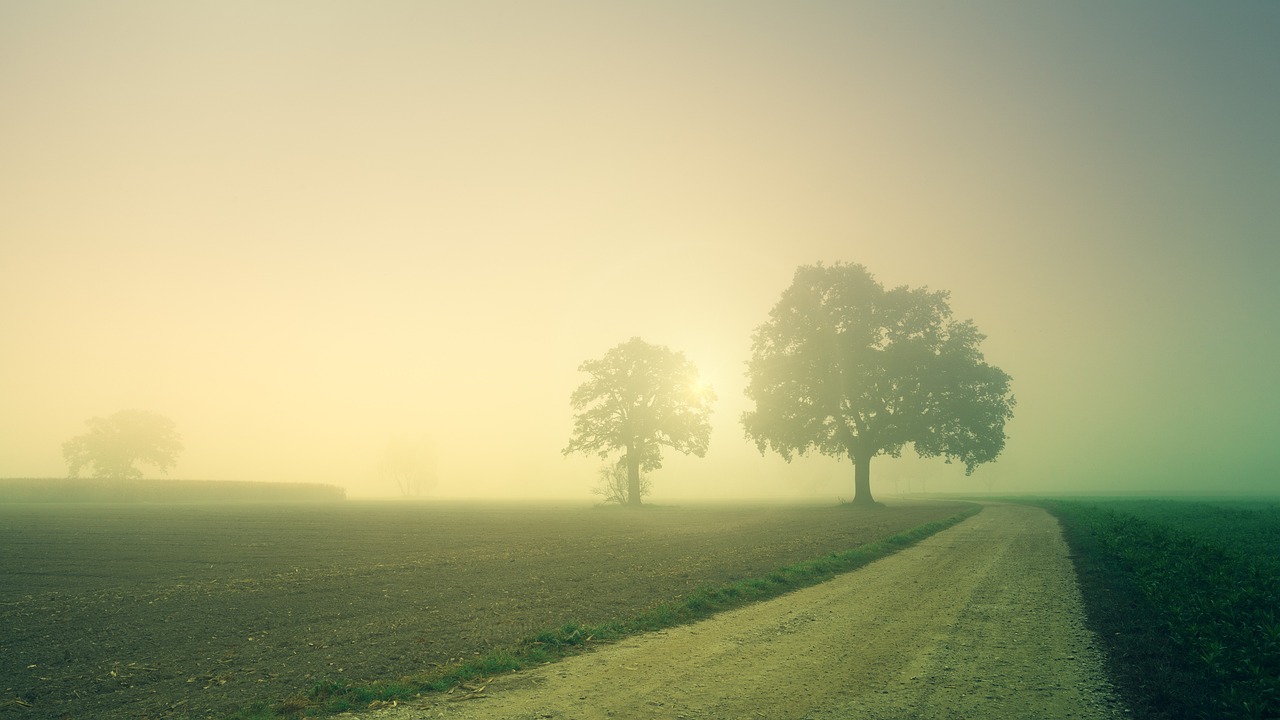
[128, 611]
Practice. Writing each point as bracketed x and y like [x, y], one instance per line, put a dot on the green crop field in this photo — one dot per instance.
[1186, 597]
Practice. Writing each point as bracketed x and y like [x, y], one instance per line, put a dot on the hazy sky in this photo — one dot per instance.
[302, 228]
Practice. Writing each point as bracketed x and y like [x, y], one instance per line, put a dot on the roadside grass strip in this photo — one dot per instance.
[467, 678]
[1186, 597]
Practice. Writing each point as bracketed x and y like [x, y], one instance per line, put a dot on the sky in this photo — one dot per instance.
[303, 229]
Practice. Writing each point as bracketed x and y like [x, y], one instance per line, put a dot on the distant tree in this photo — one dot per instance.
[612, 485]
[115, 444]
[638, 399]
[410, 464]
[850, 369]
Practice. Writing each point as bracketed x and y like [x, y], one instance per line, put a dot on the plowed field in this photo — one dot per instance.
[196, 611]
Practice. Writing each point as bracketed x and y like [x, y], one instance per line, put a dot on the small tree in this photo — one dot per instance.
[115, 444]
[850, 369]
[613, 483]
[410, 465]
[638, 399]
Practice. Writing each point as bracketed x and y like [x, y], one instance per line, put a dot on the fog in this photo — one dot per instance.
[303, 229]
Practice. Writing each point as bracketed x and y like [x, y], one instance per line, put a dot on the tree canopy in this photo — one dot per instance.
[115, 444]
[847, 368]
[640, 398]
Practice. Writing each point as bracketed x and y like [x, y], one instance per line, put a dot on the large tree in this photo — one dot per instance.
[640, 398]
[847, 368]
[115, 444]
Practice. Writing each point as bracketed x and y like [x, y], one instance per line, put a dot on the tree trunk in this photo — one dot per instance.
[862, 480]
[633, 477]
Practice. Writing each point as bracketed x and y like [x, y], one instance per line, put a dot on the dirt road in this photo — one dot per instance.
[983, 620]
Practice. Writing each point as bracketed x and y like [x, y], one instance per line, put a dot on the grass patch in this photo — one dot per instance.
[334, 696]
[1189, 613]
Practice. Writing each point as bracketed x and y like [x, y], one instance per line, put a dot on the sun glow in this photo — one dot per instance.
[701, 387]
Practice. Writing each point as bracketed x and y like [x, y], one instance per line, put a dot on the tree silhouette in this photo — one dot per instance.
[849, 369]
[410, 464]
[614, 486]
[638, 399]
[115, 444]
